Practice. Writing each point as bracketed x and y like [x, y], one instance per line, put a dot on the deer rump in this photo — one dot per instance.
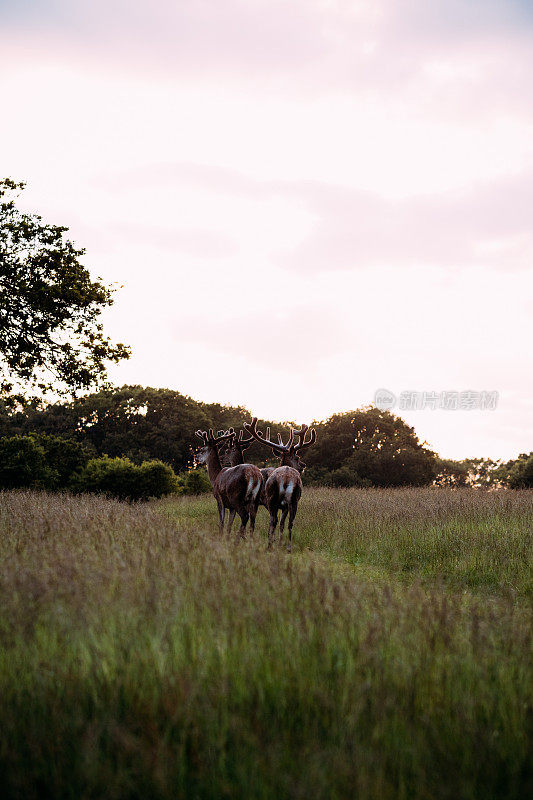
[283, 488]
[239, 487]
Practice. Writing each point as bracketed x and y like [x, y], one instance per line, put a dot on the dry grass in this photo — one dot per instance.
[389, 657]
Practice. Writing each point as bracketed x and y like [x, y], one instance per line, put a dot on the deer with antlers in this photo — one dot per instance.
[236, 489]
[234, 455]
[283, 487]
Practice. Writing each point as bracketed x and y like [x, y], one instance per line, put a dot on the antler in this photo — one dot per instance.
[209, 438]
[302, 444]
[289, 443]
[280, 448]
[242, 443]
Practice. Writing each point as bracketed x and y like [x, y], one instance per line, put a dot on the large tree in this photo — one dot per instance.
[370, 446]
[51, 336]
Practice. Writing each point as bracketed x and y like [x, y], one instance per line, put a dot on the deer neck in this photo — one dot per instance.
[235, 458]
[214, 467]
[288, 461]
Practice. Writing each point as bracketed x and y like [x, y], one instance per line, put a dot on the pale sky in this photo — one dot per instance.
[304, 200]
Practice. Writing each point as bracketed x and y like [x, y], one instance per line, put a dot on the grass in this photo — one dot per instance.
[141, 655]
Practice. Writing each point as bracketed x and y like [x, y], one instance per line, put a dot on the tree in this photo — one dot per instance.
[451, 473]
[521, 472]
[138, 422]
[50, 333]
[40, 461]
[372, 446]
[23, 463]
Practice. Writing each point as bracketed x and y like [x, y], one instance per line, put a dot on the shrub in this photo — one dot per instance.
[158, 479]
[23, 464]
[121, 478]
[64, 457]
[346, 476]
[196, 481]
[315, 476]
[40, 461]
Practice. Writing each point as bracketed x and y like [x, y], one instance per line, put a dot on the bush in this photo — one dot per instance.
[315, 476]
[23, 464]
[345, 477]
[40, 461]
[121, 478]
[521, 474]
[158, 479]
[196, 481]
[64, 457]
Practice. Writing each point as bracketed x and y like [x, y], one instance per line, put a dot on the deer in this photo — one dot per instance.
[234, 455]
[235, 488]
[283, 487]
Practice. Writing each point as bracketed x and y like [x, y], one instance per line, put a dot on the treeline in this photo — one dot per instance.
[41, 461]
[138, 425]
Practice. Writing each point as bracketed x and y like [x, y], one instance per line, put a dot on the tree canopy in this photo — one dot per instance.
[365, 447]
[51, 336]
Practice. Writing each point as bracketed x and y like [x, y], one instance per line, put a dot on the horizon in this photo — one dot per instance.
[304, 205]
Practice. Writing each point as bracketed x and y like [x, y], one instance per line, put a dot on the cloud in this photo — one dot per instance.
[199, 243]
[487, 224]
[457, 20]
[312, 46]
[283, 336]
[211, 177]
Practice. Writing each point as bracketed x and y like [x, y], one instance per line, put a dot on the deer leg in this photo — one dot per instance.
[282, 523]
[253, 513]
[272, 527]
[221, 515]
[292, 514]
[244, 519]
[231, 517]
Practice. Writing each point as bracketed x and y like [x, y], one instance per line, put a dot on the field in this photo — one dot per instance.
[143, 656]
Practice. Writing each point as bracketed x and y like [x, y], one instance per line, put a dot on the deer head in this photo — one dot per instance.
[211, 444]
[287, 453]
[236, 447]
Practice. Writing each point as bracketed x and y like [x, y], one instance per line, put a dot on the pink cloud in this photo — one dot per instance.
[304, 45]
[285, 337]
[195, 242]
[488, 224]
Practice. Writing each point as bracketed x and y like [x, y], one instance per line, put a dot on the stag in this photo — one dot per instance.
[283, 487]
[234, 455]
[236, 489]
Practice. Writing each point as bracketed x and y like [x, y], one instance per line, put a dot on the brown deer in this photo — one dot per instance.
[234, 455]
[283, 487]
[235, 488]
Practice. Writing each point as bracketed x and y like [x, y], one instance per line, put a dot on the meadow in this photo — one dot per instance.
[144, 656]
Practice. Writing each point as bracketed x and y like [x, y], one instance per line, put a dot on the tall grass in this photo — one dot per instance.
[472, 540]
[141, 655]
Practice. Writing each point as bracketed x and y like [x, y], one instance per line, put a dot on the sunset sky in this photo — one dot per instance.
[304, 200]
